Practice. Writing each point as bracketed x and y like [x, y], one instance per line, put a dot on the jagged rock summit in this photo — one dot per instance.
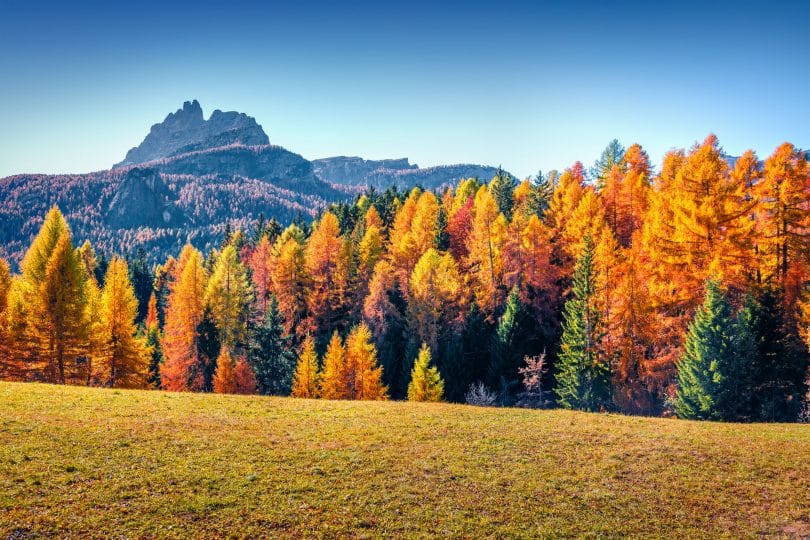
[187, 130]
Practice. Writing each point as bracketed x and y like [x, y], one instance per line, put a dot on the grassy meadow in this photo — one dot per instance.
[94, 463]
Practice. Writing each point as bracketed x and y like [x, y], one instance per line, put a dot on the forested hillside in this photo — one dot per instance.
[679, 292]
[190, 180]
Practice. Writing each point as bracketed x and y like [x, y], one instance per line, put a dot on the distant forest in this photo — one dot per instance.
[680, 292]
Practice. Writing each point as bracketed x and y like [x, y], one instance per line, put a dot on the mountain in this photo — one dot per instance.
[381, 174]
[186, 130]
[188, 179]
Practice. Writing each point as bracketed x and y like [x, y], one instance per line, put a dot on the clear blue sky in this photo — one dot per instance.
[525, 85]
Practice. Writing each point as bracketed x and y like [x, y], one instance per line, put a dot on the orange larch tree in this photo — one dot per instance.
[182, 366]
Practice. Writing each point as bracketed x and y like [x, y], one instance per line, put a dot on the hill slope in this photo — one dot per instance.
[85, 462]
[188, 178]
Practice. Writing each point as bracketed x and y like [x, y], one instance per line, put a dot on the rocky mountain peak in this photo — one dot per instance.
[186, 129]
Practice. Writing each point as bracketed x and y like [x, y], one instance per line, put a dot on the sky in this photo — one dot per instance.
[524, 85]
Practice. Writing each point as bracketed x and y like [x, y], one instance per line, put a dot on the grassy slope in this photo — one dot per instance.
[89, 463]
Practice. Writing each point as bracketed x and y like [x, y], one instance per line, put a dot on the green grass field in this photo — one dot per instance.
[79, 462]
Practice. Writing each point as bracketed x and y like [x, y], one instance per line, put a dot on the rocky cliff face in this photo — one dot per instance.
[395, 172]
[354, 170]
[142, 199]
[186, 129]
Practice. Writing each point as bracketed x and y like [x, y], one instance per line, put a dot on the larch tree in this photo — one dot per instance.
[260, 264]
[336, 380]
[485, 247]
[423, 224]
[6, 363]
[182, 368]
[124, 362]
[305, 379]
[568, 191]
[228, 295]
[385, 311]
[784, 212]
[59, 319]
[225, 374]
[583, 378]
[699, 223]
[426, 382]
[291, 282]
[361, 358]
[437, 299]
[244, 377]
[326, 290]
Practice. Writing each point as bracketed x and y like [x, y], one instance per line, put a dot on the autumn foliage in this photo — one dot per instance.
[602, 272]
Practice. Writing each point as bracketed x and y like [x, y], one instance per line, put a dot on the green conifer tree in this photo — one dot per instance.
[711, 370]
[270, 353]
[582, 377]
[502, 189]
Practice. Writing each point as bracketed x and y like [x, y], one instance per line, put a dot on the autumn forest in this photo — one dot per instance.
[678, 290]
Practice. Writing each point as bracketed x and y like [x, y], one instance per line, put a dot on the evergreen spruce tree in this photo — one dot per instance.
[502, 189]
[156, 355]
[613, 154]
[442, 242]
[582, 378]
[507, 349]
[209, 347]
[781, 363]
[711, 370]
[270, 353]
[540, 195]
[426, 383]
[143, 281]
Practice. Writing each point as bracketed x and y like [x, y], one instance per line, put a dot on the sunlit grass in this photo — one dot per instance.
[85, 462]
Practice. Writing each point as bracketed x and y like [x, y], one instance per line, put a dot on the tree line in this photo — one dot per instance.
[682, 291]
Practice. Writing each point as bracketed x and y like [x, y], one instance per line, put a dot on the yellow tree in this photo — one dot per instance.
[365, 374]
[335, 380]
[19, 352]
[6, 361]
[699, 224]
[290, 282]
[426, 383]
[402, 249]
[56, 282]
[485, 249]
[437, 297]
[124, 361]
[305, 379]
[322, 253]
[568, 191]
[181, 369]
[587, 219]
[228, 295]
[423, 225]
